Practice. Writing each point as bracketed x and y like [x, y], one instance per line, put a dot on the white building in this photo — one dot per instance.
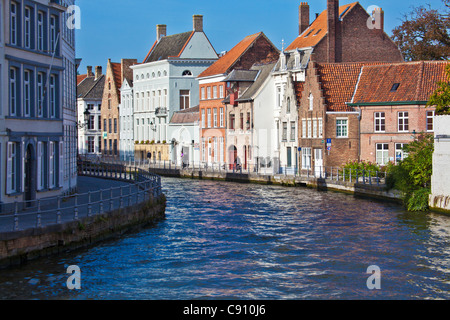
[36, 57]
[89, 101]
[288, 76]
[126, 120]
[166, 81]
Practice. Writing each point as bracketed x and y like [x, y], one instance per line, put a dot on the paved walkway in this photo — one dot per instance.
[49, 208]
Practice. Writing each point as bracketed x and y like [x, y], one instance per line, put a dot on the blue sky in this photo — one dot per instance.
[126, 29]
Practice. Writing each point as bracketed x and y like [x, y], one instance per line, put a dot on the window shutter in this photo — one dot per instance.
[39, 165]
[23, 155]
[51, 164]
[9, 168]
[61, 164]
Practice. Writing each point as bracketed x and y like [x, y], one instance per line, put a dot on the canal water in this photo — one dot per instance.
[225, 240]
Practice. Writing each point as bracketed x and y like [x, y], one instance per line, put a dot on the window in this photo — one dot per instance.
[52, 165]
[115, 147]
[159, 99]
[395, 87]
[164, 98]
[115, 125]
[289, 156]
[208, 93]
[99, 144]
[279, 97]
[248, 122]
[52, 96]
[309, 128]
[203, 118]
[215, 92]
[341, 128]
[430, 122]
[104, 125]
[382, 153]
[27, 27]
[13, 24]
[400, 153]
[215, 118]
[314, 128]
[187, 73]
[91, 122]
[292, 130]
[380, 122]
[306, 158]
[12, 171]
[303, 128]
[41, 165]
[40, 31]
[311, 102]
[13, 92]
[52, 33]
[284, 136]
[232, 120]
[320, 128]
[184, 99]
[403, 123]
[221, 91]
[110, 146]
[241, 121]
[209, 118]
[221, 118]
[99, 123]
[27, 93]
[203, 93]
[110, 125]
[91, 145]
[40, 94]
[288, 105]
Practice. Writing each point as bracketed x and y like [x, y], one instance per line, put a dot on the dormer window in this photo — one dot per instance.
[187, 73]
[309, 33]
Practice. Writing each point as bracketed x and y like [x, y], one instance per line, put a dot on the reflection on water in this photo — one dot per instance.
[237, 241]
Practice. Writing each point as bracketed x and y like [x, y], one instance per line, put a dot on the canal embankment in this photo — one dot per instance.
[133, 201]
[361, 186]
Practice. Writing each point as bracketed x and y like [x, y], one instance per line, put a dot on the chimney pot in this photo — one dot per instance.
[89, 71]
[198, 23]
[161, 31]
[303, 17]
[98, 72]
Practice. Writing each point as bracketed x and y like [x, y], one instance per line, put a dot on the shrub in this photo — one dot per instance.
[361, 168]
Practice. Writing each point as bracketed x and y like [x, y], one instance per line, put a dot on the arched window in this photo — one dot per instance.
[187, 73]
[165, 73]
[159, 74]
[311, 101]
[288, 105]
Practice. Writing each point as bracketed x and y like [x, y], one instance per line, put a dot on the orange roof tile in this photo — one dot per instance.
[80, 78]
[117, 72]
[224, 63]
[416, 82]
[318, 29]
[338, 81]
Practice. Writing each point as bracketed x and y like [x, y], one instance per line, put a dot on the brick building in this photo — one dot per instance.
[391, 100]
[114, 77]
[213, 90]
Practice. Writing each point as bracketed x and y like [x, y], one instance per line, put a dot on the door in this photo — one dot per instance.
[318, 162]
[185, 158]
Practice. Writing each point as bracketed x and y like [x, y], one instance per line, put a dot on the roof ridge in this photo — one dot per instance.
[96, 82]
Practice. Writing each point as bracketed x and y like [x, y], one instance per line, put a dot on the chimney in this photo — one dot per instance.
[378, 15]
[198, 23]
[303, 17]
[89, 71]
[161, 31]
[333, 30]
[98, 72]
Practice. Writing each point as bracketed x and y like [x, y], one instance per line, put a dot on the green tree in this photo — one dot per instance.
[424, 34]
[441, 97]
[412, 176]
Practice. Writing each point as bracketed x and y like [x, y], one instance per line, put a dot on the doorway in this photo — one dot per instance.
[318, 162]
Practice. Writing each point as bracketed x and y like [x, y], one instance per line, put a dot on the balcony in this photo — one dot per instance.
[161, 112]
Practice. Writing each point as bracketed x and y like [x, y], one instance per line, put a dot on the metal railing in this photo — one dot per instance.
[142, 186]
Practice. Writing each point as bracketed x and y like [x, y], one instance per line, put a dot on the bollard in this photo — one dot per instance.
[58, 212]
[75, 210]
[89, 205]
[101, 201]
[16, 217]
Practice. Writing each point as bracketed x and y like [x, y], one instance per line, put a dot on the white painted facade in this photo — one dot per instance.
[185, 149]
[32, 120]
[126, 120]
[440, 180]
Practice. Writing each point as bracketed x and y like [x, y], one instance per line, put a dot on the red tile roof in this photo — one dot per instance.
[338, 82]
[318, 29]
[117, 73]
[80, 78]
[416, 82]
[224, 63]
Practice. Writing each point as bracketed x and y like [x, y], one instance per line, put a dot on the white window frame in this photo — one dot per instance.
[208, 92]
[27, 93]
[303, 128]
[40, 95]
[13, 102]
[215, 118]
[203, 118]
[40, 31]
[203, 93]
[13, 24]
[432, 120]
[52, 33]
[379, 117]
[382, 153]
[320, 121]
[215, 92]
[51, 165]
[340, 127]
[52, 96]
[221, 118]
[315, 128]
[306, 158]
[11, 168]
[403, 121]
[221, 91]
[400, 151]
[209, 117]
[27, 27]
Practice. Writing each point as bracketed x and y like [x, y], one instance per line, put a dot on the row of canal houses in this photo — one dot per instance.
[339, 92]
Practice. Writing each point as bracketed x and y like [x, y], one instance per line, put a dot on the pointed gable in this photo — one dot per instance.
[227, 61]
[168, 46]
[318, 29]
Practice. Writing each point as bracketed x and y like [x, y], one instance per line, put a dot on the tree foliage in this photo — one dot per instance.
[412, 176]
[441, 97]
[424, 34]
